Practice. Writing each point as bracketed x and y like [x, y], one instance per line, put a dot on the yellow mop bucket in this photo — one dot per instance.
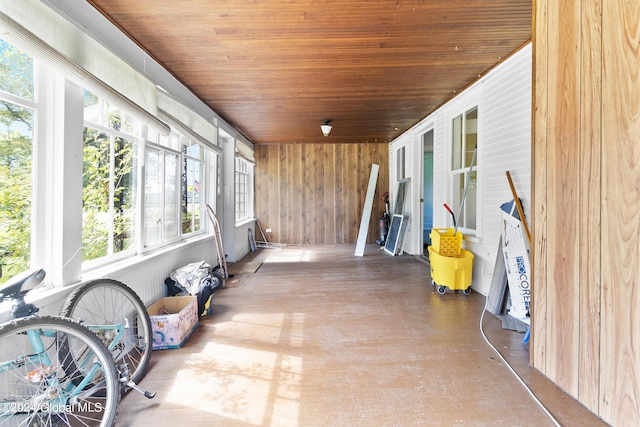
[451, 272]
[451, 266]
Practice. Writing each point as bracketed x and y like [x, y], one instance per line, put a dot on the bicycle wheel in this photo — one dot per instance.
[110, 302]
[39, 359]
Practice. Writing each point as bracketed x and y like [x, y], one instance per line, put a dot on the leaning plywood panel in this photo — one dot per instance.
[366, 211]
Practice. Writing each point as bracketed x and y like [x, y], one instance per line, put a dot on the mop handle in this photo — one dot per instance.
[466, 186]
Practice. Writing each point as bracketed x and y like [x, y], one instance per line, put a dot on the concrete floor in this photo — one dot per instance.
[320, 337]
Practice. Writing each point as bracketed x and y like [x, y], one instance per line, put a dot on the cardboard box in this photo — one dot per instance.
[173, 319]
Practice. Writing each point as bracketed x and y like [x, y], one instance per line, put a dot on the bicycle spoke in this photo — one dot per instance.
[55, 372]
[102, 305]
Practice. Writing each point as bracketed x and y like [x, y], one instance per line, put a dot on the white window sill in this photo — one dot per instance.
[244, 222]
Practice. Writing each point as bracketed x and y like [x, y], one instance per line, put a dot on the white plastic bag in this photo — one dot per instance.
[191, 275]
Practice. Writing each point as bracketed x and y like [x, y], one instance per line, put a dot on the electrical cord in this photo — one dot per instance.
[520, 380]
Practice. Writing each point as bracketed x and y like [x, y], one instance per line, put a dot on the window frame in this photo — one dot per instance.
[32, 104]
[244, 172]
[459, 168]
[56, 198]
[201, 160]
[134, 138]
[164, 239]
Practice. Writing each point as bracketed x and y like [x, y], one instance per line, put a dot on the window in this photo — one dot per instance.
[123, 186]
[244, 189]
[109, 180]
[193, 187]
[464, 168]
[162, 196]
[17, 111]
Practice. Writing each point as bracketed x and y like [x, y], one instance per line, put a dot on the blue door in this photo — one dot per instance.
[427, 197]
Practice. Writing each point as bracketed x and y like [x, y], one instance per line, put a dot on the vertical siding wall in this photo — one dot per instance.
[586, 324]
[314, 193]
[506, 142]
[503, 97]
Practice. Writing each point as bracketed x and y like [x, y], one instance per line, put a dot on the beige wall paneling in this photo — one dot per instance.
[620, 381]
[339, 202]
[327, 168]
[587, 204]
[311, 174]
[320, 191]
[292, 193]
[590, 199]
[563, 186]
[539, 186]
[351, 188]
[266, 183]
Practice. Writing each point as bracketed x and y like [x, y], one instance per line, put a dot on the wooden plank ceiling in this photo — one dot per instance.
[275, 69]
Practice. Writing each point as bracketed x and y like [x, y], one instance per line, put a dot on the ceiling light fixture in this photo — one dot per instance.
[326, 127]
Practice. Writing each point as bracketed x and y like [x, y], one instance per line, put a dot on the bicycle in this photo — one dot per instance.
[59, 371]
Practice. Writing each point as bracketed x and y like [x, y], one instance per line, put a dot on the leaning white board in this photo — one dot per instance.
[366, 211]
[516, 261]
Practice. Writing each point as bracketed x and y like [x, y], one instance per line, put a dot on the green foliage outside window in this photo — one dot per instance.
[16, 71]
[16, 138]
[108, 194]
[109, 172]
[15, 196]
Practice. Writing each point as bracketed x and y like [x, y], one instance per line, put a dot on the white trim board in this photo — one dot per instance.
[366, 211]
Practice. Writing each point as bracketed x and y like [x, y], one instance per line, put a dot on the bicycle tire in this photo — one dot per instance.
[110, 302]
[38, 392]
